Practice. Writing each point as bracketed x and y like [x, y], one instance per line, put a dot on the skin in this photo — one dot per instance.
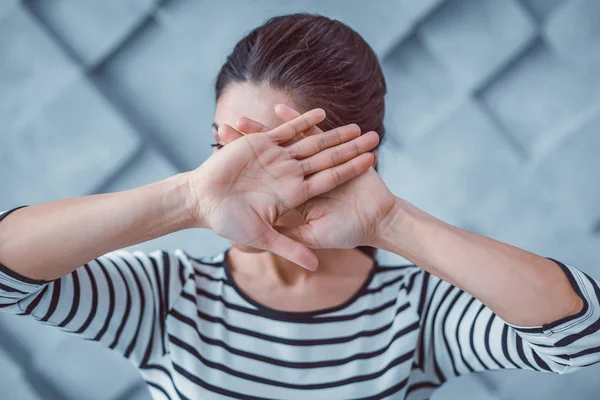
[253, 182]
[245, 188]
[268, 278]
[522, 288]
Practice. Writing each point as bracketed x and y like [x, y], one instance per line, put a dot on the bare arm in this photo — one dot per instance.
[522, 288]
[68, 233]
[58, 264]
[495, 306]
[256, 180]
[519, 286]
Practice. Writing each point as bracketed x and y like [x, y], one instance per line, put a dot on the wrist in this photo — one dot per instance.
[180, 203]
[398, 229]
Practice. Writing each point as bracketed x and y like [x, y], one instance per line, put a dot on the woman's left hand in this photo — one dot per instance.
[349, 216]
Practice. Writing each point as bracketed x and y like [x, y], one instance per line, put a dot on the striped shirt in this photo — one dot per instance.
[194, 334]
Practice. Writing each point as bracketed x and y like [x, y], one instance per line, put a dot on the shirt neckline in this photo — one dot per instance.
[281, 314]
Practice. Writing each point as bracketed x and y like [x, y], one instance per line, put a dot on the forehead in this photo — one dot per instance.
[255, 101]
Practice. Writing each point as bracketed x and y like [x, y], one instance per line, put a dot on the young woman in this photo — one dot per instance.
[260, 320]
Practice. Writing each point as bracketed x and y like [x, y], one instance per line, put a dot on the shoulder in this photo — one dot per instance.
[402, 275]
[178, 259]
[216, 259]
[414, 282]
[211, 267]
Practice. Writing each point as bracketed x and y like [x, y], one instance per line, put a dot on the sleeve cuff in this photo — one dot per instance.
[7, 273]
[10, 274]
[576, 279]
[5, 213]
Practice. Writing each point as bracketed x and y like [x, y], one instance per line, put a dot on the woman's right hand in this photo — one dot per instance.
[241, 190]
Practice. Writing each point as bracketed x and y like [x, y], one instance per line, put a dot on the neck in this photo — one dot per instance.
[274, 268]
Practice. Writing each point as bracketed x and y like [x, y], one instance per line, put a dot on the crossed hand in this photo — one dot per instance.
[245, 187]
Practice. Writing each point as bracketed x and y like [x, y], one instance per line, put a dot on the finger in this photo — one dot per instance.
[247, 125]
[317, 143]
[331, 178]
[302, 234]
[340, 154]
[228, 134]
[290, 249]
[287, 113]
[290, 129]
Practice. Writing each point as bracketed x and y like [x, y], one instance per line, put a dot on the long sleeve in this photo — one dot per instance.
[120, 299]
[459, 334]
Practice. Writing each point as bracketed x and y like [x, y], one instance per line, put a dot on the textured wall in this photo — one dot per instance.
[493, 116]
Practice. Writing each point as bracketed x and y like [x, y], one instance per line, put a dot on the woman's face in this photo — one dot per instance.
[256, 102]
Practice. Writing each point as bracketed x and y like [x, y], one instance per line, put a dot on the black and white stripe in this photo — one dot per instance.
[194, 334]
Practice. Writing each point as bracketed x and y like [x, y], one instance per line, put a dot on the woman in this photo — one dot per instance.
[261, 320]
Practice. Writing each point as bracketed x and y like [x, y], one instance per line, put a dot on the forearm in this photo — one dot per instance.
[49, 240]
[522, 288]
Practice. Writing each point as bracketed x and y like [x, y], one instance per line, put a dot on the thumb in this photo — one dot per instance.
[248, 125]
[287, 113]
[290, 249]
[302, 234]
[228, 134]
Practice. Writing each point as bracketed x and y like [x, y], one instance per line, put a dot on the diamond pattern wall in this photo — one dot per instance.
[493, 119]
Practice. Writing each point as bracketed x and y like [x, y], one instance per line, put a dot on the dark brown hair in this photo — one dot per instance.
[320, 62]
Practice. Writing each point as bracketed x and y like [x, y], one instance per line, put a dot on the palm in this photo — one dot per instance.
[345, 217]
[241, 190]
[259, 183]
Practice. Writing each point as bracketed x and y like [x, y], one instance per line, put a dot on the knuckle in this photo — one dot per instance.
[293, 151]
[337, 156]
[353, 170]
[338, 135]
[337, 179]
[309, 188]
[332, 158]
[355, 148]
[332, 137]
[306, 166]
[321, 143]
[304, 124]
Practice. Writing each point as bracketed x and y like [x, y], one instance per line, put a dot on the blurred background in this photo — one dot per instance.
[493, 118]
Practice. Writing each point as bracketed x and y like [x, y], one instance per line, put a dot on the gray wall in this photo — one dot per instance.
[493, 118]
